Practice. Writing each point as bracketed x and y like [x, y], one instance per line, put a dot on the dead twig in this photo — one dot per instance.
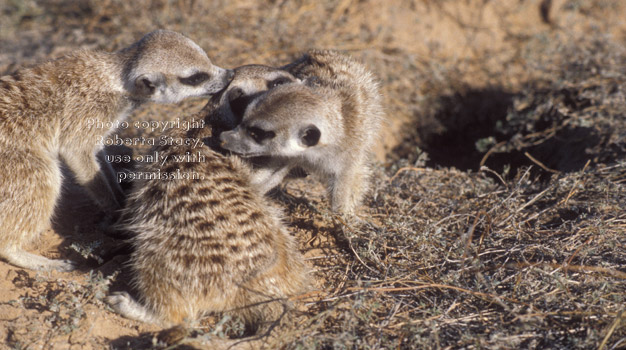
[540, 164]
[573, 190]
[405, 169]
[484, 168]
[618, 319]
[576, 268]
[490, 152]
[491, 297]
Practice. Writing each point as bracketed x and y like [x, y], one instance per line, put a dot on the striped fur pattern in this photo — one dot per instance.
[213, 244]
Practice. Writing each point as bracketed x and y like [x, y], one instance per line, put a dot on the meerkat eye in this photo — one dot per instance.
[259, 135]
[310, 136]
[278, 81]
[195, 79]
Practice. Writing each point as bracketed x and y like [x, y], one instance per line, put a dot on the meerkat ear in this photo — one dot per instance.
[145, 85]
[310, 136]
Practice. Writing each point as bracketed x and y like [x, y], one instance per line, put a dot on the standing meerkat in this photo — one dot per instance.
[209, 244]
[327, 126]
[61, 110]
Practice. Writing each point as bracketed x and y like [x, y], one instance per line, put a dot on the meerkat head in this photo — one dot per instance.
[249, 82]
[167, 67]
[288, 121]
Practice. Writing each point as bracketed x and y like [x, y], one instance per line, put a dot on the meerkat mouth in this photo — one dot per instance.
[250, 155]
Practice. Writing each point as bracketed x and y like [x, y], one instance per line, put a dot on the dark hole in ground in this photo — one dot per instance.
[463, 118]
[460, 129]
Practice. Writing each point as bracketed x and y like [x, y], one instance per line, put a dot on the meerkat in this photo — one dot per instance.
[61, 110]
[205, 242]
[225, 110]
[327, 126]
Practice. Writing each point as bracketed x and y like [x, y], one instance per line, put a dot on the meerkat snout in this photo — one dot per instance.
[238, 101]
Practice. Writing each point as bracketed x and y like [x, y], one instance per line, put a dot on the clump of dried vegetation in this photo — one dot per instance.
[526, 248]
[497, 218]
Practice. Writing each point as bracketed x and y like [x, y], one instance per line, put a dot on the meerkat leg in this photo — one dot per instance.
[126, 306]
[111, 176]
[265, 179]
[347, 189]
[27, 200]
[88, 174]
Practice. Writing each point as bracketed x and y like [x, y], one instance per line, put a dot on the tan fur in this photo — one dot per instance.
[51, 113]
[211, 244]
[226, 109]
[338, 110]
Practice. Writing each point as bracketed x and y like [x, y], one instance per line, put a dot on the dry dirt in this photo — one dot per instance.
[498, 209]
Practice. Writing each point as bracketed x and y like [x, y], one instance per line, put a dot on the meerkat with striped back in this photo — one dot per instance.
[205, 241]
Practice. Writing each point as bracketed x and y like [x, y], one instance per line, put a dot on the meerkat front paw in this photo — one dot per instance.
[63, 265]
[119, 301]
[125, 305]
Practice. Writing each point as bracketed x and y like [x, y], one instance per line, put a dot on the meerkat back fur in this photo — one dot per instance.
[209, 244]
[59, 110]
[327, 126]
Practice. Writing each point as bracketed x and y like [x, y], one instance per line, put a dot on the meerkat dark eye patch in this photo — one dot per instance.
[259, 135]
[239, 101]
[195, 79]
[278, 81]
[310, 135]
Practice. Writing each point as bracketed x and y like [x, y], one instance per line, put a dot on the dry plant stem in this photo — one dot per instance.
[401, 170]
[349, 242]
[484, 168]
[576, 268]
[573, 190]
[470, 233]
[490, 152]
[618, 320]
[540, 164]
[569, 261]
[487, 296]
